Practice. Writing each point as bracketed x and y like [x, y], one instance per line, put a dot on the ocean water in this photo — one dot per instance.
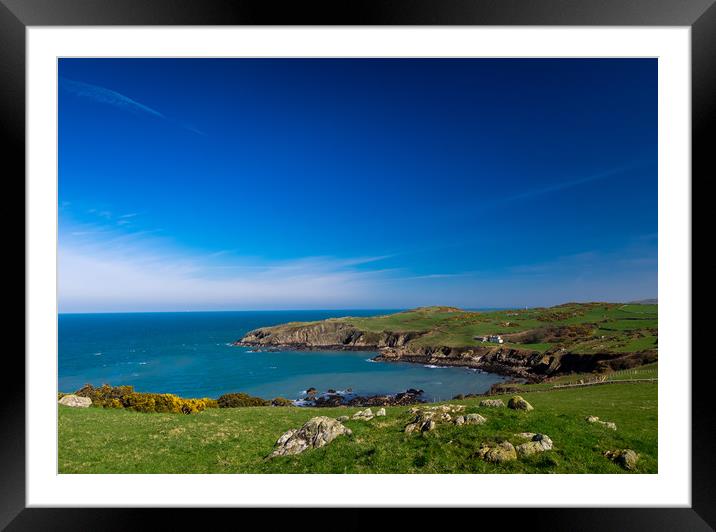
[190, 354]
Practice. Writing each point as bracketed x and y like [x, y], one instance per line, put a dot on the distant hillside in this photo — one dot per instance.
[535, 342]
[644, 302]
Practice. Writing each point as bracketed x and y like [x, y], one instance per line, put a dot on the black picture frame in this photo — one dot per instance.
[699, 15]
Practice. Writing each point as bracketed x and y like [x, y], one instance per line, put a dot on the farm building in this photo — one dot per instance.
[493, 338]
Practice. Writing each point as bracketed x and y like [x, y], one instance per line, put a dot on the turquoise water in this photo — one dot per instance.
[190, 354]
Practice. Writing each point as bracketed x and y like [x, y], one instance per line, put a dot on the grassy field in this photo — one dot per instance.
[236, 440]
[611, 327]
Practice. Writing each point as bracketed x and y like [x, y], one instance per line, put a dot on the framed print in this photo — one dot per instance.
[408, 256]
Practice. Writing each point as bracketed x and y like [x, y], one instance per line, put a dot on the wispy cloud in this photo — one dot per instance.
[103, 267]
[556, 187]
[107, 96]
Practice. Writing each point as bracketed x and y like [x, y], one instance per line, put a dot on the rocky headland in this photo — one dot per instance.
[570, 348]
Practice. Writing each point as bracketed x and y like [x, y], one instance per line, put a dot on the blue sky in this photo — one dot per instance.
[217, 184]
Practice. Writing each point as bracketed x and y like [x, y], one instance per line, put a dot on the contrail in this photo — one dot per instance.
[116, 99]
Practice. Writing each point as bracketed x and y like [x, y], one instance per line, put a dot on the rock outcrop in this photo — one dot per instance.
[517, 402]
[428, 418]
[608, 424]
[474, 419]
[537, 444]
[492, 403]
[315, 433]
[499, 453]
[626, 458]
[365, 415]
[75, 401]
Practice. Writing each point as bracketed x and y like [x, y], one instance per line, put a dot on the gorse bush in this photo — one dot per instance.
[105, 395]
[233, 400]
[108, 396]
[125, 397]
[281, 401]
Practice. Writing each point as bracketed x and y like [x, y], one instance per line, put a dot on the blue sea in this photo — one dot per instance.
[190, 354]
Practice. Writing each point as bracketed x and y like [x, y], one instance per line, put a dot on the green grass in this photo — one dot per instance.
[615, 328]
[236, 440]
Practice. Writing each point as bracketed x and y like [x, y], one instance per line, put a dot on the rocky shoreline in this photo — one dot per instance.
[510, 361]
[332, 398]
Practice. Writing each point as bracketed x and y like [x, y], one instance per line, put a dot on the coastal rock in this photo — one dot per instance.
[626, 458]
[451, 409]
[608, 424]
[423, 422]
[411, 427]
[365, 415]
[329, 399]
[428, 426]
[492, 403]
[315, 433]
[502, 452]
[474, 419]
[538, 444]
[380, 412]
[75, 401]
[518, 403]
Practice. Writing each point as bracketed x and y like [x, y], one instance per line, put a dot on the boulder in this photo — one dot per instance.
[342, 418]
[474, 419]
[518, 403]
[427, 426]
[75, 401]
[460, 420]
[423, 422]
[626, 458]
[525, 435]
[315, 433]
[492, 403]
[365, 415]
[380, 412]
[502, 452]
[608, 424]
[538, 444]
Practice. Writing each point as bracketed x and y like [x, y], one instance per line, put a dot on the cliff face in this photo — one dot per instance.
[400, 347]
[325, 334]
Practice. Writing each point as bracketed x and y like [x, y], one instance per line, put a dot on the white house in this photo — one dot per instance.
[494, 338]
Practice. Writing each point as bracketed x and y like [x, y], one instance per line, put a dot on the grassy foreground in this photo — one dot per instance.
[236, 440]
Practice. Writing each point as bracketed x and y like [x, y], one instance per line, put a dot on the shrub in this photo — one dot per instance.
[233, 400]
[105, 395]
[281, 401]
[125, 397]
[211, 403]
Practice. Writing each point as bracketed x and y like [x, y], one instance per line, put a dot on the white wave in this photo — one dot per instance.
[433, 367]
[371, 360]
[98, 354]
